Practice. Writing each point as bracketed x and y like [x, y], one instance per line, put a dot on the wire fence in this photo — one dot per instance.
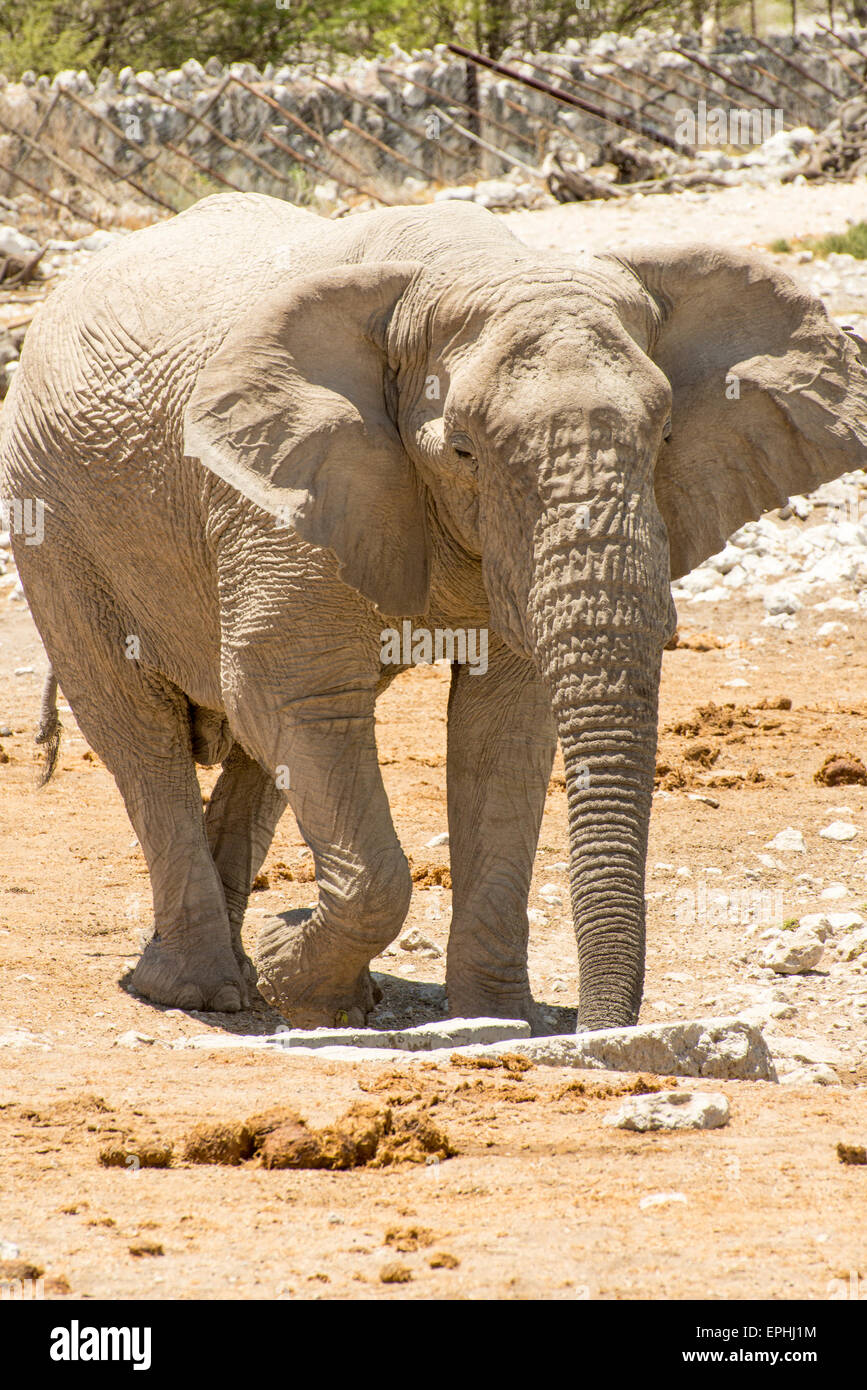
[325, 141]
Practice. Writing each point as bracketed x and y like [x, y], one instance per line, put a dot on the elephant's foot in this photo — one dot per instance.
[310, 975]
[487, 998]
[246, 967]
[207, 978]
[236, 903]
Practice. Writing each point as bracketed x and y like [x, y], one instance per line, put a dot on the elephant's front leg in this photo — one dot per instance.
[501, 744]
[313, 963]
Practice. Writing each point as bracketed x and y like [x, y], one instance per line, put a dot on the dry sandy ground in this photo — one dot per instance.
[743, 216]
[541, 1199]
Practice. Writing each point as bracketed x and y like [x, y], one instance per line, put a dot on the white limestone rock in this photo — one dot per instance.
[790, 839]
[723, 1048]
[839, 830]
[671, 1110]
[793, 953]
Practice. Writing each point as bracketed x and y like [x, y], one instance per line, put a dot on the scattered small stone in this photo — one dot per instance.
[834, 892]
[661, 1199]
[19, 1037]
[703, 797]
[845, 921]
[790, 840]
[794, 953]
[808, 1050]
[147, 1247]
[441, 1259]
[671, 1110]
[133, 1039]
[817, 1074]
[414, 940]
[853, 945]
[779, 602]
[852, 1153]
[438, 840]
[839, 830]
[15, 244]
[551, 893]
[837, 605]
[394, 1273]
[825, 924]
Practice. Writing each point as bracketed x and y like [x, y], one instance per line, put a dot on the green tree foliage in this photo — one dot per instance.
[47, 35]
[34, 34]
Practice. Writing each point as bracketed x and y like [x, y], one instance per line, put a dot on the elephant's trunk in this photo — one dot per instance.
[609, 755]
[599, 613]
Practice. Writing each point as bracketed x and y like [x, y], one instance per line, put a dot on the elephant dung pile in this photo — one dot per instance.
[368, 1135]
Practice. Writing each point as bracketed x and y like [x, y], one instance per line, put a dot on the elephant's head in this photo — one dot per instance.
[589, 432]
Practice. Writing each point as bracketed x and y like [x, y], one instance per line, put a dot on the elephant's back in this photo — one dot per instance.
[212, 257]
[119, 343]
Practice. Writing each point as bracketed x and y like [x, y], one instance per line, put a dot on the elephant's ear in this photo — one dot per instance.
[290, 410]
[769, 395]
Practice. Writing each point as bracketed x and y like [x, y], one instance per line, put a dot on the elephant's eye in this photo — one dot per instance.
[462, 445]
[666, 429]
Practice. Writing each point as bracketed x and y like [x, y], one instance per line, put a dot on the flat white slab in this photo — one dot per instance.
[448, 1033]
[723, 1048]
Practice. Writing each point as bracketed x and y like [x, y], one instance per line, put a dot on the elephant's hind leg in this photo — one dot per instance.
[240, 820]
[139, 724]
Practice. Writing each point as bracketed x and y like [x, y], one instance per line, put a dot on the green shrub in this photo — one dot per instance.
[852, 242]
[34, 35]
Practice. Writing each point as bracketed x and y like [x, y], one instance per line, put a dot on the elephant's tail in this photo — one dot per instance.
[48, 733]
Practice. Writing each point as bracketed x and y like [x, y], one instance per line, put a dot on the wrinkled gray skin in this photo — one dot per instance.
[231, 419]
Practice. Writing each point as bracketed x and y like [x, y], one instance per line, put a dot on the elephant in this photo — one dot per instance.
[262, 439]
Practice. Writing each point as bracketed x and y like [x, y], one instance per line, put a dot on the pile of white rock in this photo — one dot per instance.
[187, 104]
[789, 566]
